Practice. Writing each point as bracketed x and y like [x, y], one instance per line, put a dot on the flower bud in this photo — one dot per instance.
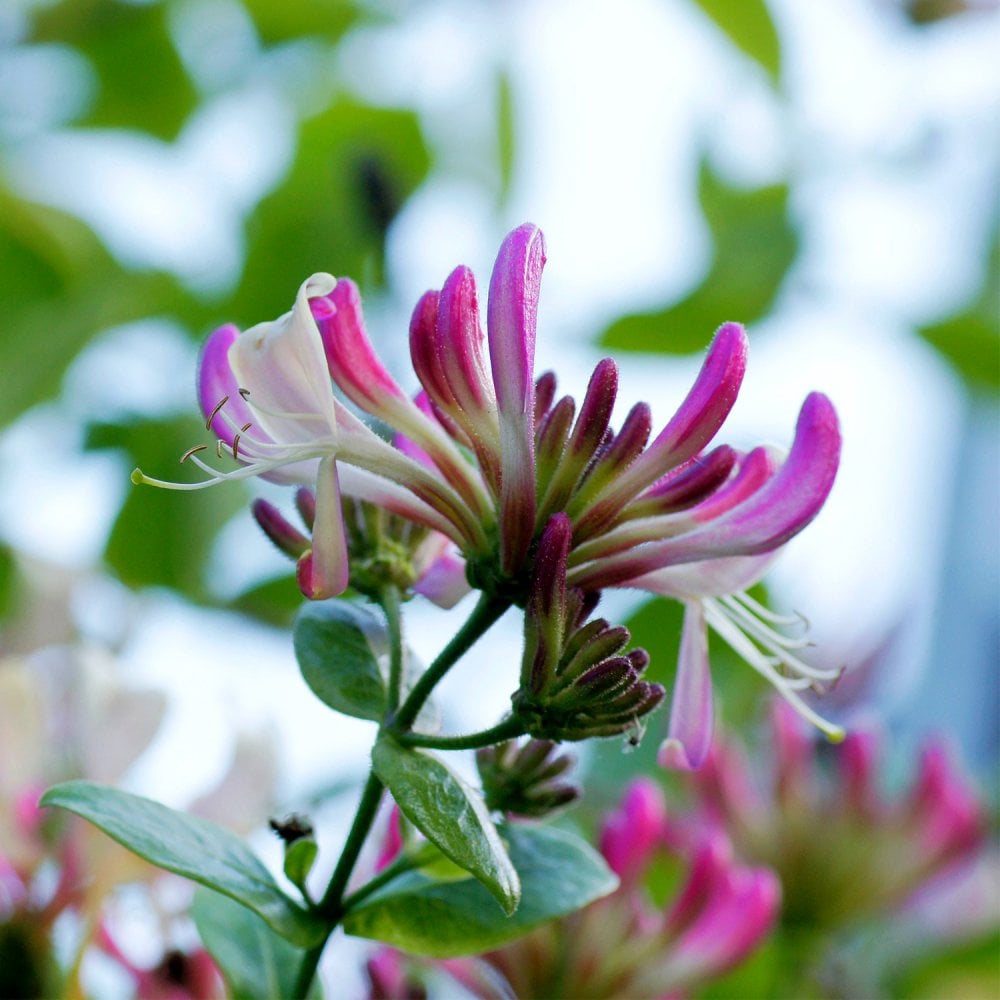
[522, 779]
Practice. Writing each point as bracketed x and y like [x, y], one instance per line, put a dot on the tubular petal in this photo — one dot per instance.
[689, 736]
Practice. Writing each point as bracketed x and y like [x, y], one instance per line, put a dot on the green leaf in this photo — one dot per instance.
[188, 846]
[354, 167]
[292, 20]
[299, 859]
[748, 24]
[755, 245]
[450, 814]
[559, 873]
[58, 281]
[336, 644]
[143, 84]
[971, 340]
[163, 538]
[257, 963]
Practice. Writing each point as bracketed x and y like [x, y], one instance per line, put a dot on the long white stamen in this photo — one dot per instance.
[787, 687]
[758, 609]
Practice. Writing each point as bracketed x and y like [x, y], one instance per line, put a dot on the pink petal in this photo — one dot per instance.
[352, 360]
[511, 320]
[216, 381]
[632, 833]
[779, 510]
[701, 414]
[689, 735]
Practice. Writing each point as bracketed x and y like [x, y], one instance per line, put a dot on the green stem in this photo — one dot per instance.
[391, 605]
[508, 729]
[399, 867]
[486, 613]
[331, 905]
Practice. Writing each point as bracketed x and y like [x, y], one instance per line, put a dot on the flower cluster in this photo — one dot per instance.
[485, 455]
[842, 848]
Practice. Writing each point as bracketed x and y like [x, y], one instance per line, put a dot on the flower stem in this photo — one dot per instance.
[398, 722]
[486, 613]
[331, 905]
[389, 599]
[508, 729]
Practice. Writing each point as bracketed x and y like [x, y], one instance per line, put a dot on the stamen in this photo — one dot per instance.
[246, 426]
[192, 451]
[218, 406]
[245, 393]
[236, 445]
[218, 447]
[754, 606]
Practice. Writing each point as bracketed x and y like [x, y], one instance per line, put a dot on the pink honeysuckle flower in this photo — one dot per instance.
[803, 819]
[487, 454]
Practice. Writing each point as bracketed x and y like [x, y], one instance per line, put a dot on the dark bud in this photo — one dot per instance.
[292, 828]
[524, 779]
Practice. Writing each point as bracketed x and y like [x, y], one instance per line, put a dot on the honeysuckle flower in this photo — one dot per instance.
[843, 848]
[624, 945]
[576, 680]
[499, 454]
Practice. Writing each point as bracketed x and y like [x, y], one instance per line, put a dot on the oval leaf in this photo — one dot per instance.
[188, 846]
[559, 873]
[256, 962]
[337, 646]
[450, 814]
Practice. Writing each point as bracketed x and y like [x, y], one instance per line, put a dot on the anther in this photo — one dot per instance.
[218, 406]
[245, 393]
[192, 451]
[246, 426]
[236, 444]
[218, 447]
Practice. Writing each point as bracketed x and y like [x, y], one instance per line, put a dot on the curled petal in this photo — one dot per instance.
[689, 736]
[285, 363]
[701, 414]
[779, 510]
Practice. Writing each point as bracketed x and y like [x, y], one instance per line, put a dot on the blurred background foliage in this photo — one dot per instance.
[104, 69]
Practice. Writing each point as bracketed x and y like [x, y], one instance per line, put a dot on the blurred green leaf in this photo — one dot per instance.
[738, 690]
[143, 84]
[450, 813]
[505, 134]
[257, 963]
[748, 25]
[8, 579]
[334, 647]
[293, 19]
[559, 873]
[322, 216]
[163, 538]
[971, 340]
[755, 245]
[60, 287]
[189, 846]
[275, 601]
[963, 969]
